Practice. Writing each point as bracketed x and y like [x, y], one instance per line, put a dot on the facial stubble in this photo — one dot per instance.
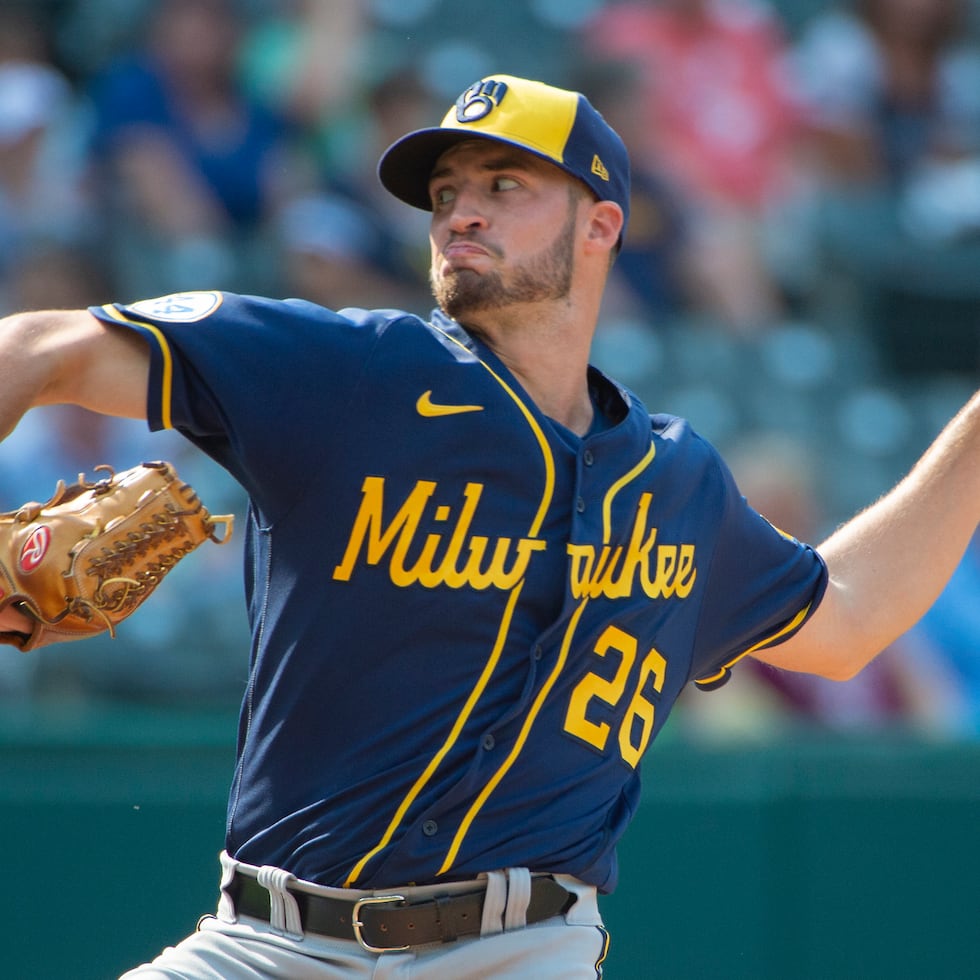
[547, 275]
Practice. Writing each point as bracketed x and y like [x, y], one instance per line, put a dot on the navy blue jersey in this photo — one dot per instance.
[468, 625]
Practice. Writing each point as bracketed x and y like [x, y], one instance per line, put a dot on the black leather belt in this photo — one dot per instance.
[387, 922]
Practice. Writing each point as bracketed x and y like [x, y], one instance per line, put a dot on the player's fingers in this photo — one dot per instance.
[14, 621]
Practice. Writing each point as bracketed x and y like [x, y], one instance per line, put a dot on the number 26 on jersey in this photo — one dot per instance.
[595, 690]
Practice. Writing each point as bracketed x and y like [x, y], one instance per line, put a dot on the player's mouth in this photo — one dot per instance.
[464, 254]
[463, 247]
[461, 252]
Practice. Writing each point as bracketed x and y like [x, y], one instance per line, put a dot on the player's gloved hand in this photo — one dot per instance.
[84, 561]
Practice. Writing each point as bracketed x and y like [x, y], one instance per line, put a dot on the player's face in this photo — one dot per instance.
[503, 229]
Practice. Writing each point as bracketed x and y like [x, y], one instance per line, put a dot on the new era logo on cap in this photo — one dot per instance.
[556, 124]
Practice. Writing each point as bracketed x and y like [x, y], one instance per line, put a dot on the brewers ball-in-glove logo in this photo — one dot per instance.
[479, 100]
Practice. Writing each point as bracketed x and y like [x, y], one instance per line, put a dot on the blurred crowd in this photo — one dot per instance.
[800, 277]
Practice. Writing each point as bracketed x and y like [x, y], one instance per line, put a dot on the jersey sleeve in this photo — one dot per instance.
[256, 383]
[763, 585]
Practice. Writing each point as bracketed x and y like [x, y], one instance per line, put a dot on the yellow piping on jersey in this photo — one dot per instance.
[464, 715]
[522, 738]
[166, 380]
[494, 659]
[617, 486]
[548, 459]
[536, 707]
[788, 628]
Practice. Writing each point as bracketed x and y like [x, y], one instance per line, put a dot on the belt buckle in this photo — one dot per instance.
[358, 925]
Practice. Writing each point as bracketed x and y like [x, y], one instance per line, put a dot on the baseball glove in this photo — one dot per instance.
[88, 558]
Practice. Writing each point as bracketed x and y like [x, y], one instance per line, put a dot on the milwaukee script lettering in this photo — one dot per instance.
[457, 558]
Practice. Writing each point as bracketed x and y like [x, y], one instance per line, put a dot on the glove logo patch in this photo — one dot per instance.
[35, 548]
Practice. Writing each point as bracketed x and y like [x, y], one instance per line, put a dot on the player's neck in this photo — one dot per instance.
[551, 366]
[546, 345]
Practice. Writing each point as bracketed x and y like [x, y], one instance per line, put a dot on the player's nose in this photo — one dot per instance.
[466, 211]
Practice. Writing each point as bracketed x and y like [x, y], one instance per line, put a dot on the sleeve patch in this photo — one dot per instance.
[178, 307]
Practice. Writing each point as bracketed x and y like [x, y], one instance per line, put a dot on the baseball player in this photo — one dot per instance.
[478, 571]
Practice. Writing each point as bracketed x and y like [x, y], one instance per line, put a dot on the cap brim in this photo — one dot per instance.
[406, 166]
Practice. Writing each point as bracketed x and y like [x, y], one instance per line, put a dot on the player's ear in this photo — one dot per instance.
[605, 224]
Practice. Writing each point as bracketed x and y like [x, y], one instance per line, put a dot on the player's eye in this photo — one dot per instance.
[505, 184]
[441, 196]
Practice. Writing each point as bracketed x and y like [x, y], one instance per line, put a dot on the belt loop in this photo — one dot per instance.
[494, 904]
[284, 914]
[447, 924]
[518, 897]
[226, 907]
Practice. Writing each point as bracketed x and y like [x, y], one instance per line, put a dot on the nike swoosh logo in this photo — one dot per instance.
[428, 409]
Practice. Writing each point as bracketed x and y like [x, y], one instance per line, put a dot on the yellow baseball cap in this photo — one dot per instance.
[556, 124]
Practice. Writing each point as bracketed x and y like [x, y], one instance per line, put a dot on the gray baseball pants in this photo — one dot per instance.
[227, 946]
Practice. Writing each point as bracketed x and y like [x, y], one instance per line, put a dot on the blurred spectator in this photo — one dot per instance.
[193, 168]
[87, 34]
[43, 199]
[304, 59]
[191, 639]
[650, 279]
[720, 121]
[893, 102]
[350, 243]
[61, 441]
[58, 277]
[942, 653]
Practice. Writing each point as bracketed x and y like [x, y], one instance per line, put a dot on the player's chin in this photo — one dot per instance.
[458, 292]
